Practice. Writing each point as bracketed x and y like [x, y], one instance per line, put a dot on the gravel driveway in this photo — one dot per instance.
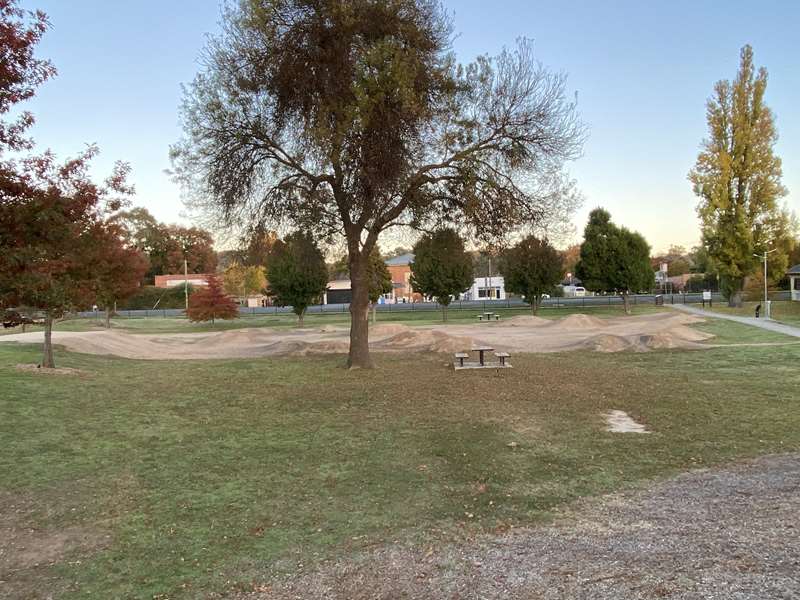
[731, 533]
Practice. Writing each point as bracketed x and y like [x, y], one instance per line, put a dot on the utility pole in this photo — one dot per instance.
[186, 282]
[766, 298]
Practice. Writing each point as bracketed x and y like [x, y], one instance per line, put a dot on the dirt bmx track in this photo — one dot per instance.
[517, 334]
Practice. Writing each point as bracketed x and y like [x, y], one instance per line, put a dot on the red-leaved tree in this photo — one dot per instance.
[211, 302]
[55, 238]
[118, 267]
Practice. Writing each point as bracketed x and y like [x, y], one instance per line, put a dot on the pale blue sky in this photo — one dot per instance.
[642, 70]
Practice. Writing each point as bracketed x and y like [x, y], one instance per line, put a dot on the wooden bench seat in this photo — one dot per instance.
[461, 356]
[502, 356]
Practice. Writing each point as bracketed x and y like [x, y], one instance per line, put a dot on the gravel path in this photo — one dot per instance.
[767, 324]
[730, 534]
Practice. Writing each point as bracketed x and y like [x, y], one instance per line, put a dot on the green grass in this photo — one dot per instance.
[210, 475]
[784, 311]
[731, 332]
[287, 321]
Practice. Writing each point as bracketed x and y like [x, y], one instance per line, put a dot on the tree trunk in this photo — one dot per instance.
[358, 357]
[108, 318]
[735, 299]
[626, 302]
[301, 318]
[535, 305]
[47, 359]
[444, 313]
[374, 312]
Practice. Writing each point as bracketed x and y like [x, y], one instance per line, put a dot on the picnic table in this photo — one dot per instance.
[480, 350]
[488, 316]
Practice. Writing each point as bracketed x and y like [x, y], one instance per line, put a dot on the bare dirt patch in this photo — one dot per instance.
[618, 421]
[523, 333]
[28, 368]
[26, 550]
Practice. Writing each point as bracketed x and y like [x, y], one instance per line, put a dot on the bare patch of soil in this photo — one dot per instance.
[26, 549]
[56, 371]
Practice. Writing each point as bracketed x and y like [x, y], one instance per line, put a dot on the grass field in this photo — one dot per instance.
[187, 479]
[784, 311]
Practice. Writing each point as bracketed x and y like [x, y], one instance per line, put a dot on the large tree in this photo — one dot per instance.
[738, 179]
[52, 232]
[441, 268]
[531, 268]
[349, 118]
[296, 273]
[52, 215]
[614, 259]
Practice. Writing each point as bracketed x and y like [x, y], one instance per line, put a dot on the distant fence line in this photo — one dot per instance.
[517, 303]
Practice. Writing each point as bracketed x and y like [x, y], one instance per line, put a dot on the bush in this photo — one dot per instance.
[147, 296]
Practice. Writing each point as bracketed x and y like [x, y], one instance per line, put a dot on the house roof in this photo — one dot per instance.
[403, 259]
[795, 270]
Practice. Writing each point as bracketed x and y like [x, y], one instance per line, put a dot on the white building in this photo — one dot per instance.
[486, 288]
[794, 282]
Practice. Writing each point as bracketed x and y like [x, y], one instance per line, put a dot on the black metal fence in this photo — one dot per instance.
[472, 305]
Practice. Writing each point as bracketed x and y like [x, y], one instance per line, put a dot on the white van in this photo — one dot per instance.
[574, 291]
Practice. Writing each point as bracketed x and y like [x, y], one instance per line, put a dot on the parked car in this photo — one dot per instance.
[13, 318]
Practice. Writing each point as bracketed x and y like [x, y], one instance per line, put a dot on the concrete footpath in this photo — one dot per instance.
[767, 324]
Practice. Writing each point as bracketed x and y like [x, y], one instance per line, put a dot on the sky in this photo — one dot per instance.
[642, 72]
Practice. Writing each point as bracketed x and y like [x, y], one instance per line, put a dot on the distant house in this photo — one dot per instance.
[400, 270]
[486, 288]
[338, 292]
[195, 279]
[794, 282]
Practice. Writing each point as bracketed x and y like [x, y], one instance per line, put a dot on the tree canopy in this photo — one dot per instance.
[613, 258]
[296, 273]
[441, 268]
[738, 179]
[348, 118]
[244, 281]
[117, 267]
[166, 246]
[531, 268]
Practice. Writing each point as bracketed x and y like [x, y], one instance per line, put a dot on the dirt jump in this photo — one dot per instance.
[518, 334]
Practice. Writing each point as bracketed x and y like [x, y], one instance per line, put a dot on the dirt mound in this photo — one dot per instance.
[523, 333]
[424, 340]
[662, 341]
[388, 329]
[525, 321]
[606, 342]
[299, 348]
[580, 321]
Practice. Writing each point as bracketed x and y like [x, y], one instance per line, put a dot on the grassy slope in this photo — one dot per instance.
[212, 474]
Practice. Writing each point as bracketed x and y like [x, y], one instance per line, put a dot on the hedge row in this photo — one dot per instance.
[148, 295]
